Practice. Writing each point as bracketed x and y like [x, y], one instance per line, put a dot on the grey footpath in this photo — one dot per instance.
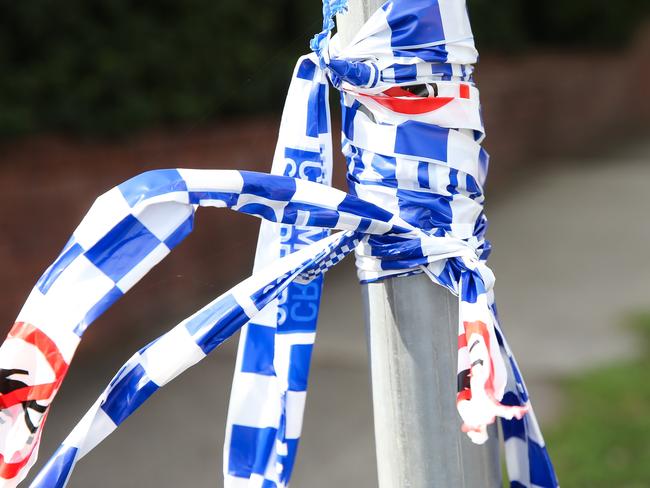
[571, 258]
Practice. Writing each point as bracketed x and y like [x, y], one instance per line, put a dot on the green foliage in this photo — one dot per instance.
[101, 67]
[603, 440]
[498, 25]
[596, 23]
[515, 25]
[105, 67]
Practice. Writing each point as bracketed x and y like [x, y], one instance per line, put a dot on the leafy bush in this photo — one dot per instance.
[105, 67]
[101, 67]
[516, 25]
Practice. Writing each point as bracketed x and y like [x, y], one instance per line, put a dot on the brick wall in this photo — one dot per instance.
[537, 108]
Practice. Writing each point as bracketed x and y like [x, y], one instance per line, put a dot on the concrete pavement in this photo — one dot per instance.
[571, 259]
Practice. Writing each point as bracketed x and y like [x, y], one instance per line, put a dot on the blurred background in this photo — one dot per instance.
[92, 93]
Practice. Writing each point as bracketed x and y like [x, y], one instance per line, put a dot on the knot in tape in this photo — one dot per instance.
[381, 256]
[362, 74]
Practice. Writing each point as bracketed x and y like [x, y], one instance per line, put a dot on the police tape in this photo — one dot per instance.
[411, 134]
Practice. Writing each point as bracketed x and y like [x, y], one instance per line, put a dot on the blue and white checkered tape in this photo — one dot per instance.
[411, 136]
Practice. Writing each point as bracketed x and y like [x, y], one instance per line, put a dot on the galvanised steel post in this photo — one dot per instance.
[412, 336]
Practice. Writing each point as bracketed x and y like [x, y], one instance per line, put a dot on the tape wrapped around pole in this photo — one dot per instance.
[411, 134]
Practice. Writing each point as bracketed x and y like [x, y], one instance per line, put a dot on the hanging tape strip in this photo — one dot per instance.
[416, 204]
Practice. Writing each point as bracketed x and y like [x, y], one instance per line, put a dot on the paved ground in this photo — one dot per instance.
[571, 247]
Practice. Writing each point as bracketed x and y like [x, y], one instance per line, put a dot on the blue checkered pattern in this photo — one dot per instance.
[186, 344]
[415, 205]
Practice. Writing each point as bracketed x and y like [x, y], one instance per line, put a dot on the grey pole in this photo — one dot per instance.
[412, 334]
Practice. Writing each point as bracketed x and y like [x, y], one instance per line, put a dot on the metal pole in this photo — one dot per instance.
[412, 330]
